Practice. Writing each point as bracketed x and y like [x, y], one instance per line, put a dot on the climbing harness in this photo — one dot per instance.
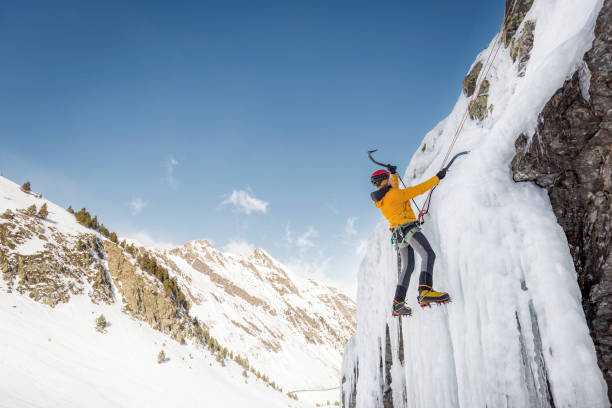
[402, 234]
[500, 40]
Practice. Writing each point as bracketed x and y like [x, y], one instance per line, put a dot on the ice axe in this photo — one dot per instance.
[454, 157]
[379, 163]
[388, 166]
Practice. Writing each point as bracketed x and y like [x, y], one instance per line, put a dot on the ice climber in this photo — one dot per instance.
[394, 203]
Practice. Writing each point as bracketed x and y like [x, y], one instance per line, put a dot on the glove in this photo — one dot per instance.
[441, 174]
[392, 169]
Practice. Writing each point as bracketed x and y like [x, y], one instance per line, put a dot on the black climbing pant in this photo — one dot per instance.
[420, 244]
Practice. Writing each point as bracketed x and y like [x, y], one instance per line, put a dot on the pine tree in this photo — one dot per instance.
[43, 212]
[101, 323]
[83, 217]
[70, 209]
[113, 237]
[161, 357]
[219, 357]
[31, 210]
[104, 231]
[26, 187]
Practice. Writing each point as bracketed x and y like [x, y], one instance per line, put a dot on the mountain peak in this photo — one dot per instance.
[198, 245]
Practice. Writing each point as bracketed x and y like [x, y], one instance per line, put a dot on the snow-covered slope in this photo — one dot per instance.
[57, 277]
[515, 334]
[254, 306]
[55, 358]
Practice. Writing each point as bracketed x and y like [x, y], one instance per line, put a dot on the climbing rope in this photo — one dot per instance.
[500, 40]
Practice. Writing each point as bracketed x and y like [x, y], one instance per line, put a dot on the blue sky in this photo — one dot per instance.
[243, 122]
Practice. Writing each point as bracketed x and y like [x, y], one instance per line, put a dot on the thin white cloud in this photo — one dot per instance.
[239, 247]
[242, 201]
[288, 235]
[333, 207]
[137, 204]
[312, 261]
[349, 229]
[305, 240]
[170, 164]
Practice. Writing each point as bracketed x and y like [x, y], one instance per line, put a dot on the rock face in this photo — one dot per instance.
[514, 14]
[59, 268]
[144, 298]
[520, 48]
[570, 156]
[478, 107]
[469, 82]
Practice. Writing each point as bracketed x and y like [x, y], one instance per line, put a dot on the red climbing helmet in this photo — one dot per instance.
[379, 176]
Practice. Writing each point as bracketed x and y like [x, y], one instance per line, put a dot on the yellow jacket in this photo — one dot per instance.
[395, 205]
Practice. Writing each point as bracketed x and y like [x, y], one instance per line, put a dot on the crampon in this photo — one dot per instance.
[427, 303]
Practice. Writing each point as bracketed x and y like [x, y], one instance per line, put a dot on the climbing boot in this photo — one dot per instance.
[400, 309]
[427, 295]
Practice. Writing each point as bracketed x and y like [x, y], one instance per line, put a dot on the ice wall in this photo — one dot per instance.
[515, 334]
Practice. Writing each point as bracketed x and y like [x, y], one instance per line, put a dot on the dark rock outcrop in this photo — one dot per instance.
[388, 362]
[352, 398]
[570, 156]
[513, 17]
[520, 49]
[469, 82]
[478, 107]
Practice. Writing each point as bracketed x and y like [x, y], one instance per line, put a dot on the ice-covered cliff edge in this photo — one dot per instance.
[515, 334]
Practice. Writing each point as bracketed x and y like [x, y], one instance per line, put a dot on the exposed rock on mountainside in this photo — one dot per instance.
[142, 297]
[59, 266]
[514, 13]
[478, 108]
[570, 156]
[469, 82]
[520, 48]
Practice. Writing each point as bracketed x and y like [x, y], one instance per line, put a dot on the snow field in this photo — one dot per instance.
[55, 357]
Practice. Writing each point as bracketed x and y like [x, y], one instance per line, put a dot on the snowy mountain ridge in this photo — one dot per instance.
[57, 274]
[515, 334]
[266, 310]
